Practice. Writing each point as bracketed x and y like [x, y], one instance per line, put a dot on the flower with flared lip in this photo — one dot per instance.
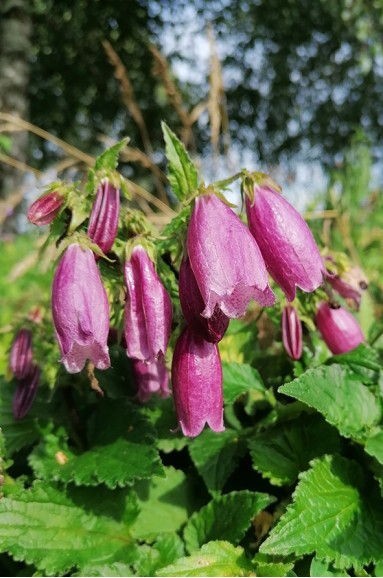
[80, 310]
[225, 259]
[339, 328]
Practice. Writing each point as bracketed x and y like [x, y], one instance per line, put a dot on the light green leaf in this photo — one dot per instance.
[167, 549]
[115, 569]
[225, 518]
[109, 158]
[44, 527]
[216, 456]
[214, 559]
[320, 568]
[264, 566]
[282, 451]
[182, 173]
[374, 446]
[239, 378]
[332, 515]
[363, 361]
[340, 396]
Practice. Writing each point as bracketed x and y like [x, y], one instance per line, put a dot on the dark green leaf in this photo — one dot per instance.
[320, 568]
[374, 446]
[225, 518]
[183, 175]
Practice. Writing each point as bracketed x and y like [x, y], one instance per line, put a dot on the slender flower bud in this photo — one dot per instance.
[150, 378]
[103, 221]
[25, 392]
[80, 310]
[45, 208]
[225, 259]
[292, 332]
[197, 384]
[148, 309]
[339, 328]
[192, 304]
[21, 354]
[286, 242]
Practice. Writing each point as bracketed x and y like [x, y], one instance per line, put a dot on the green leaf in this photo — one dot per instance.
[216, 456]
[165, 504]
[374, 446]
[340, 396]
[225, 518]
[114, 569]
[182, 173]
[320, 568]
[167, 549]
[364, 361]
[239, 378]
[280, 452]
[264, 566]
[336, 513]
[44, 527]
[214, 559]
[109, 158]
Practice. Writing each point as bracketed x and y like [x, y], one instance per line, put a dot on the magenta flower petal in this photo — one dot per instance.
[192, 304]
[148, 309]
[150, 378]
[25, 392]
[103, 223]
[45, 209]
[225, 259]
[80, 310]
[292, 332]
[286, 242]
[197, 384]
[21, 354]
[339, 328]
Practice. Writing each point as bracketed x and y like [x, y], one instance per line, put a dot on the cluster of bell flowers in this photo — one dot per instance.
[225, 265]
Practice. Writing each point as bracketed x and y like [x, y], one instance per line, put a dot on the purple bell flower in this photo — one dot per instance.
[286, 242]
[25, 392]
[103, 223]
[21, 354]
[339, 328]
[45, 208]
[148, 309]
[225, 259]
[80, 310]
[197, 384]
[292, 332]
[192, 304]
[150, 378]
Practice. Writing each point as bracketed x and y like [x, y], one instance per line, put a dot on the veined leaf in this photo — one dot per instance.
[239, 378]
[108, 160]
[166, 549]
[182, 173]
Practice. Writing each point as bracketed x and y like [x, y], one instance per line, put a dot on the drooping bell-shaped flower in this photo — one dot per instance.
[21, 354]
[45, 208]
[339, 328]
[292, 332]
[80, 310]
[285, 240]
[197, 384]
[225, 259]
[148, 309]
[103, 223]
[25, 392]
[150, 378]
[212, 328]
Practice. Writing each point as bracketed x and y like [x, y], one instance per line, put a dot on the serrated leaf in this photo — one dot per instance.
[213, 559]
[363, 361]
[374, 446]
[44, 527]
[225, 518]
[280, 452]
[320, 568]
[108, 160]
[165, 504]
[167, 549]
[332, 515]
[116, 569]
[182, 173]
[239, 378]
[264, 566]
[216, 456]
[340, 396]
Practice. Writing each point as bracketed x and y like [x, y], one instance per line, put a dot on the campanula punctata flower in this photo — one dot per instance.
[339, 328]
[45, 208]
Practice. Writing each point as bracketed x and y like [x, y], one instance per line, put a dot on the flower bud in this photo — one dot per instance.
[192, 304]
[197, 384]
[286, 242]
[21, 354]
[25, 392]
[45, 208]
[292, 332]
[350, 285]
[338, 327]
[80, 310]
[225, 259]
[148, 309]
[103, 221]
[150, 378]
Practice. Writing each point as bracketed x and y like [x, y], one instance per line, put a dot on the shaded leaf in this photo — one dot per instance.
[374, 446]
